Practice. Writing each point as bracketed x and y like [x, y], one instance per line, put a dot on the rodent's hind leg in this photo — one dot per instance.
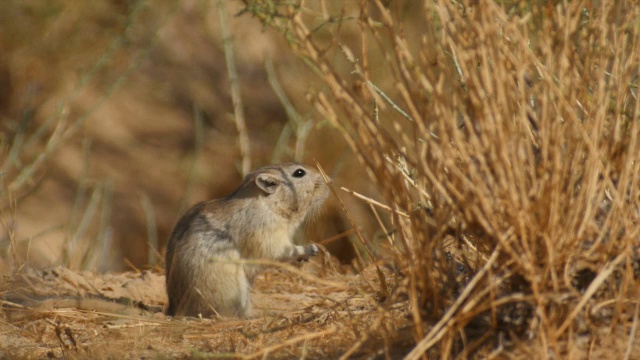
[223, 285]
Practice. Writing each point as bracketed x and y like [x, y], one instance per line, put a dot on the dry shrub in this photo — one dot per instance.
[509, 134]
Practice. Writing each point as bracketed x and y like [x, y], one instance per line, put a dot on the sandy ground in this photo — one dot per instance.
[316, 313]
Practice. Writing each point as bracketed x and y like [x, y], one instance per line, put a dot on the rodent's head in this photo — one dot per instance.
[292, 189]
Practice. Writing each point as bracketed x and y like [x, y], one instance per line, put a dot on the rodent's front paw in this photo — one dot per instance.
[311, 250]
[308, 251]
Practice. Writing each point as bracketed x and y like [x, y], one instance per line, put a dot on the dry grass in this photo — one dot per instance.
[513, 131]
[502, 139]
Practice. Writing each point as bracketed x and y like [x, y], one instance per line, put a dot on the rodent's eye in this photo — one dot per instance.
[299, 173]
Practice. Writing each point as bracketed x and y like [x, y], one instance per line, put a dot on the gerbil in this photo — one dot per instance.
[256, 221]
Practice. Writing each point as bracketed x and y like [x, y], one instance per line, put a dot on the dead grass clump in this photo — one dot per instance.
[509, 135]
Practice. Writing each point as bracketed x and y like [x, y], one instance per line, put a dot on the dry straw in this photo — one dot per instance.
[511, 128]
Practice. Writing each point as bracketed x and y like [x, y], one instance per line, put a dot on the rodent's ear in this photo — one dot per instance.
[267, 182]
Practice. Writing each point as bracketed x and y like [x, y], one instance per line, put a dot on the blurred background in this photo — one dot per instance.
[509, 157]
[116, 116]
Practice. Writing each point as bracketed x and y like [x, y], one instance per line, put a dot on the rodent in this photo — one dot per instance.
[256, 221]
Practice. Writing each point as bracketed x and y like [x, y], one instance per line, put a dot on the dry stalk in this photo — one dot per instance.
[588, 294]
[373, 202]
[265, 351]
[632, 333]
[236, 97]
[337, 237]
[384, 292]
